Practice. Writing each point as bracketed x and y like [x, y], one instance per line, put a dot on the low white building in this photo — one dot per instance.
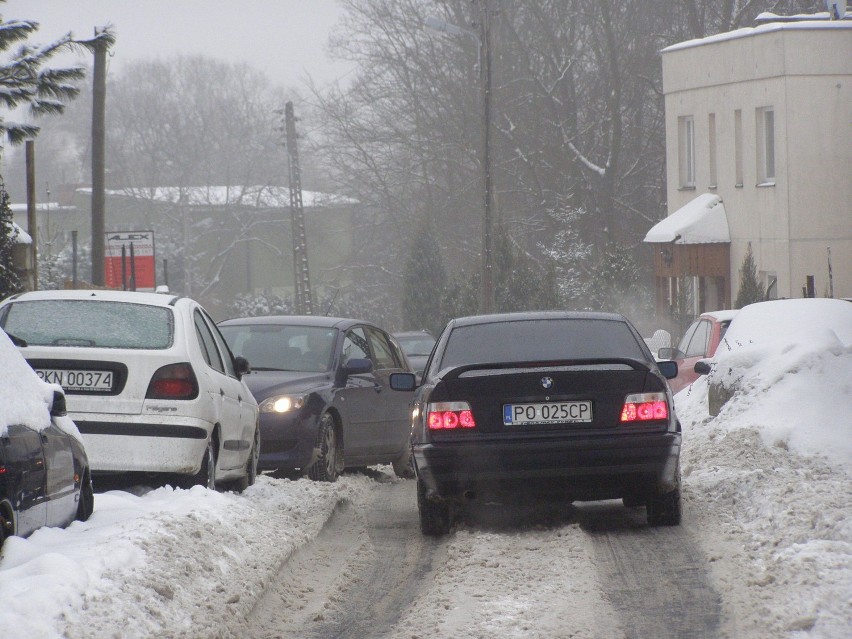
[759, 152]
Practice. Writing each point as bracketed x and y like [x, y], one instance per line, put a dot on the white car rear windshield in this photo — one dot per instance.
[90, 324]
[541, 341]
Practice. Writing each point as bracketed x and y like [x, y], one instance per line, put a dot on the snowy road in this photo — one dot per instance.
[365, 566]
[593, 570]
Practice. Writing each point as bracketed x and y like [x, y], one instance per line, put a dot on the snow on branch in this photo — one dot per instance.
[586, 161]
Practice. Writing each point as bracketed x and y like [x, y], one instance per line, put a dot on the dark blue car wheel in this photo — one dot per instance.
[325, 468]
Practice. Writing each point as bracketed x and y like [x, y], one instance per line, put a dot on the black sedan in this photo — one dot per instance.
[568, 405]
[45, 478]
[322, 386]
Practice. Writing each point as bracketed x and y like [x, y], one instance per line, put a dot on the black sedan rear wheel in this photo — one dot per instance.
[325, 468]
[663, 509]
[7, 523]
[434, 515]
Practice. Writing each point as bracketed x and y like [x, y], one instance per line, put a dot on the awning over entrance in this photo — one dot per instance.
[701, 221]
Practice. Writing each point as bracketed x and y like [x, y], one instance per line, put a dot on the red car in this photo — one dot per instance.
[698, 342]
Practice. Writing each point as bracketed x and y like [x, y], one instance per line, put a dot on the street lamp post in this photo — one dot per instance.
[481, 38]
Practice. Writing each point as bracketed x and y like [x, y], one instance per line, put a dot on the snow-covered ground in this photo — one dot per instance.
[766, 486]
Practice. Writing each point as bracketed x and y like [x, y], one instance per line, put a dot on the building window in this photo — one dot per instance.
[686, 151]
[711, 129]
[738, 146]
[766, 145]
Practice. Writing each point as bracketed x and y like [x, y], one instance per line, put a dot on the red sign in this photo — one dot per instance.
[129, 261]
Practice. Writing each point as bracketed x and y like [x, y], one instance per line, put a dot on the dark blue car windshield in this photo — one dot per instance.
[540, 341]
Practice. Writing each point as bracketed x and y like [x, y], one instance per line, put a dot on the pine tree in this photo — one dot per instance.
[23, 81]
[751, 290]
[10, 279]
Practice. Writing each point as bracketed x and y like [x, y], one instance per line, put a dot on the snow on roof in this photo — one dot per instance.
[21, 236]
[206, 196]
[701, 221]
[766, 27]
[44, 207]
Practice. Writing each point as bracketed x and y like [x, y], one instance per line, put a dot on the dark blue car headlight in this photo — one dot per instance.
[281, 403]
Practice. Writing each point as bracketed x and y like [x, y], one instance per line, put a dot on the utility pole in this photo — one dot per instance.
[98, 163]
[304, 300]
[487, 222]
[32, 224]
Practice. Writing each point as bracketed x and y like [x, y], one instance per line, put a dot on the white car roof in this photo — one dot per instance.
[154, 299]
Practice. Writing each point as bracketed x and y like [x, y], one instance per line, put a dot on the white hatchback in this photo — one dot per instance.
[149, 381]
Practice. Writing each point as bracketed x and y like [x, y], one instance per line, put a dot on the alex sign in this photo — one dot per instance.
[129, 260]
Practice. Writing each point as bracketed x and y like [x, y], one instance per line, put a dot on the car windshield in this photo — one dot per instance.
[540, 341]
[90, 324]
[416, 345]
[277, 347]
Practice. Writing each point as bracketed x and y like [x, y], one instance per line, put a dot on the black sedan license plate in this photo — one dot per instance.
[78, 380]
[547, 413]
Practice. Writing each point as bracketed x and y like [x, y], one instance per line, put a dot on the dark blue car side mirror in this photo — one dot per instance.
[357, 366]
[403, 381]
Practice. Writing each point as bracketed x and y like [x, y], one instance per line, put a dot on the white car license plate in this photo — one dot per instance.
[547, 413]
[77, 380]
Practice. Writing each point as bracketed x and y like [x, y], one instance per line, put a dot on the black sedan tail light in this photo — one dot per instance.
[449, 416]
[174, 381]
[645, 407]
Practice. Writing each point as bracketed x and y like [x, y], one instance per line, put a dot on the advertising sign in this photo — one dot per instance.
[129, 261]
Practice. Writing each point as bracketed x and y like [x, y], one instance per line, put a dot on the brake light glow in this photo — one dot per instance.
[643, 407]
[175, 381]
[449, 416]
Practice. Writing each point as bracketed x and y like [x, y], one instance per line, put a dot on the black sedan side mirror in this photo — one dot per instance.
[403, 381]
[668, 369]
[702, 367]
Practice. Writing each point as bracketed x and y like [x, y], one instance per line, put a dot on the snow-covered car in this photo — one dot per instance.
[768, 332]
[571, 405]
[45, 478]
[699, 341]
[325, 401]
[149, 381]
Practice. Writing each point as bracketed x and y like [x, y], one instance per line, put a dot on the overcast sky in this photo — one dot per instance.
[286, 39]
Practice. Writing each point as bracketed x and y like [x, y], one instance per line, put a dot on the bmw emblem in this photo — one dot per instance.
[546, 382]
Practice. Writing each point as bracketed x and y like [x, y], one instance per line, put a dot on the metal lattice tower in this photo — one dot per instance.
[304, 299]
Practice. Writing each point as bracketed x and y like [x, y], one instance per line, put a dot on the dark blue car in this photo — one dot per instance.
[322, 387]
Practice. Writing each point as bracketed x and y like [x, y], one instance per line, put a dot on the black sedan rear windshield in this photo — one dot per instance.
[540, 341]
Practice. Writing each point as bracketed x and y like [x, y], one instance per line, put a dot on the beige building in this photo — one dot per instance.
[759, 151]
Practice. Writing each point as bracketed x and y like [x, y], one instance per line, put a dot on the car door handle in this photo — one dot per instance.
[222, 392]
[377, 388]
